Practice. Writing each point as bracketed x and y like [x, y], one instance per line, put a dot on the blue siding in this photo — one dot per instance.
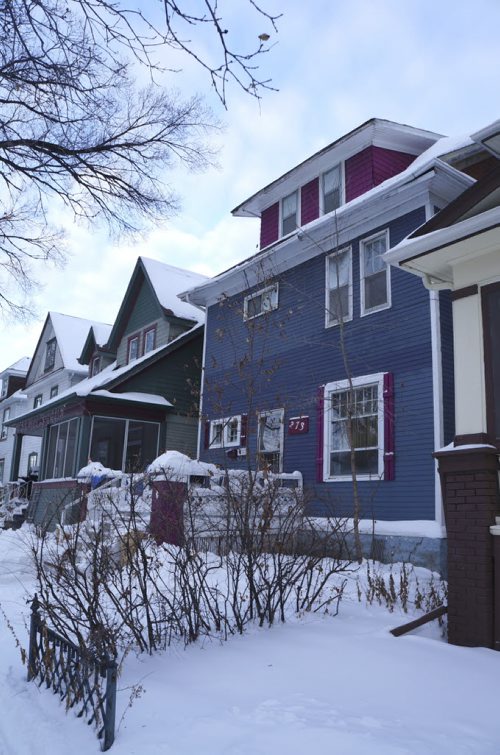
[280, 360]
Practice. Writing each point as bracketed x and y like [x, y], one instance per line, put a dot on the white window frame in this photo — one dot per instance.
[274, 300]
[131, 340]
[224, 442]
[341, 167]
[329, 320]
[362, 244]
[4, 431]
[268, 413]
[297, 193]
[341, 385]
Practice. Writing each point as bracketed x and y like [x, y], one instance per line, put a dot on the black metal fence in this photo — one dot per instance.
[82, 680]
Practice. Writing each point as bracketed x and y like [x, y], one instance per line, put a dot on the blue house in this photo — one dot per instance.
[317, 352]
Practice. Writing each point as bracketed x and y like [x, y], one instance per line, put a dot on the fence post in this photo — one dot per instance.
[110, 705]
[34, 623]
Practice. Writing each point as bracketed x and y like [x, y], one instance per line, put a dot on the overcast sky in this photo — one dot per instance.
[434, 64]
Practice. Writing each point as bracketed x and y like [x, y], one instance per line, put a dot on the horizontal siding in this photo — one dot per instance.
[280, 360]
[388, 163]
[181, 434]
[359, 174]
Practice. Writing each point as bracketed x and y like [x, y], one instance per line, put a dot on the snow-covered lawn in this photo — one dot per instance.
[322, 684]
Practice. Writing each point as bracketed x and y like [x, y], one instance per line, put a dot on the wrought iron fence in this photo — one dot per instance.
[82, 680]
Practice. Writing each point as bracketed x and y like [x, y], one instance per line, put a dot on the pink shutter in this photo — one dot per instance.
[389, 459]
[320, 423]
[243, 432]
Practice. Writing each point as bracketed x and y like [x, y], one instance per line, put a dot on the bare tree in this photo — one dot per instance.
[75, 126]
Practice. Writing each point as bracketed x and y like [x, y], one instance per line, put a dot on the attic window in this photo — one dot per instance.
[261, 302]
[95, 366]
[289, 208]
[50, 355]
[332, 189]
[133, 348]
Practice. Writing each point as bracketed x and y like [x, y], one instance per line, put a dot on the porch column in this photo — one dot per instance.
[16, 456]
[469, 479]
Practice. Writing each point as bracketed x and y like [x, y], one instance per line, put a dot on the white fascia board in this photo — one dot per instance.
[411, 253]
[378, 133]
[357, 218]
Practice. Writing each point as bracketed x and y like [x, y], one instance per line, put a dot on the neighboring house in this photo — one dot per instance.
[12, 403]
[317, 312]
[53, 368]
[142, 403]
[458, 250]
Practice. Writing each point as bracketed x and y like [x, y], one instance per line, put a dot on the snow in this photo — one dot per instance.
[319, 683]
[22, 365]
[144, 398]
[408, 528]
[173, 465]
[96, 469]
[169, 281]
[71, 334]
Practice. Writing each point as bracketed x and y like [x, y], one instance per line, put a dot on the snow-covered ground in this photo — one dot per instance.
[319, 684]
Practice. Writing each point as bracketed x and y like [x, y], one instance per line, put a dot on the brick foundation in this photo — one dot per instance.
[469, 479]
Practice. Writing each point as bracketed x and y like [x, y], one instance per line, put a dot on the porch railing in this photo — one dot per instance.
[82, 680]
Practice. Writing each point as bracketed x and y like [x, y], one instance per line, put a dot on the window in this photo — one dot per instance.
[225, 433]
[54, 391]
[6, 417]
[61, 449]
[270, 440]
[375, 275]
[50, 355]
[124, 444]
[2, 470]
[37, 401]
[339, 287]
[261, 302]
[4, 385]
[355, 415]
[32, 462]
[332, 189]
[133, 348]
[149, 339]
[95, 366]
[289, 213]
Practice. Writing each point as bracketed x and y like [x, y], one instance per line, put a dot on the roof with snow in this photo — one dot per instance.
[165, 283]
[20, 367]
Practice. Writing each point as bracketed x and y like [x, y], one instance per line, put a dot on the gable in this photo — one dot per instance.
[40, 364]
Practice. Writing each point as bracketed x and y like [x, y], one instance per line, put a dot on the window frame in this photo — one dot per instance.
[130, 340]
[32, 466]
[54, 391]
[274, 288]
[50, 354]
[95, 365]
[341, 167]
[297, 194]
[150, 329]
[54, 459]
[329, 323]
[339, 386]
[362, 244]
[2, 470]
[261, 415]
[4, 431]
[38, 400]
[224, 422]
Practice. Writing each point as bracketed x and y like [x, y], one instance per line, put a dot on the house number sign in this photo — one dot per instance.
[298, 425]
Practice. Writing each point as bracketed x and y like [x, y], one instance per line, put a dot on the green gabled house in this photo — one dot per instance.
[140, 397]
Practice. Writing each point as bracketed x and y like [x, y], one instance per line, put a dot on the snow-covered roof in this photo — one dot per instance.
[429, 161]
[168, 281]
[101, 332]
[21, 366]
[71, 334]
[96, 384]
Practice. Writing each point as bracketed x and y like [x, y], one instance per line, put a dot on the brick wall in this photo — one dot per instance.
[469, 478]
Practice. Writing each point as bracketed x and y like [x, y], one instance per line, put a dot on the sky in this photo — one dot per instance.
[432, 64]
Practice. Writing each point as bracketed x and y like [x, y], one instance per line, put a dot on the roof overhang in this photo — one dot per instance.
[435, 255]
[489, 137]
[438, 183]
[375, 132]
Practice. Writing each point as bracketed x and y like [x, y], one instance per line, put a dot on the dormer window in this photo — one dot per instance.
[149, 339]
[50, 355]
[133, 348]
[332, 189]
[95, 366]
[289, 213]
[4, 384]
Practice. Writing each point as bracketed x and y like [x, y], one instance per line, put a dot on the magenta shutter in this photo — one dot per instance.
[320, 423]
[207, 434]
[389, 459]
[243, 433]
